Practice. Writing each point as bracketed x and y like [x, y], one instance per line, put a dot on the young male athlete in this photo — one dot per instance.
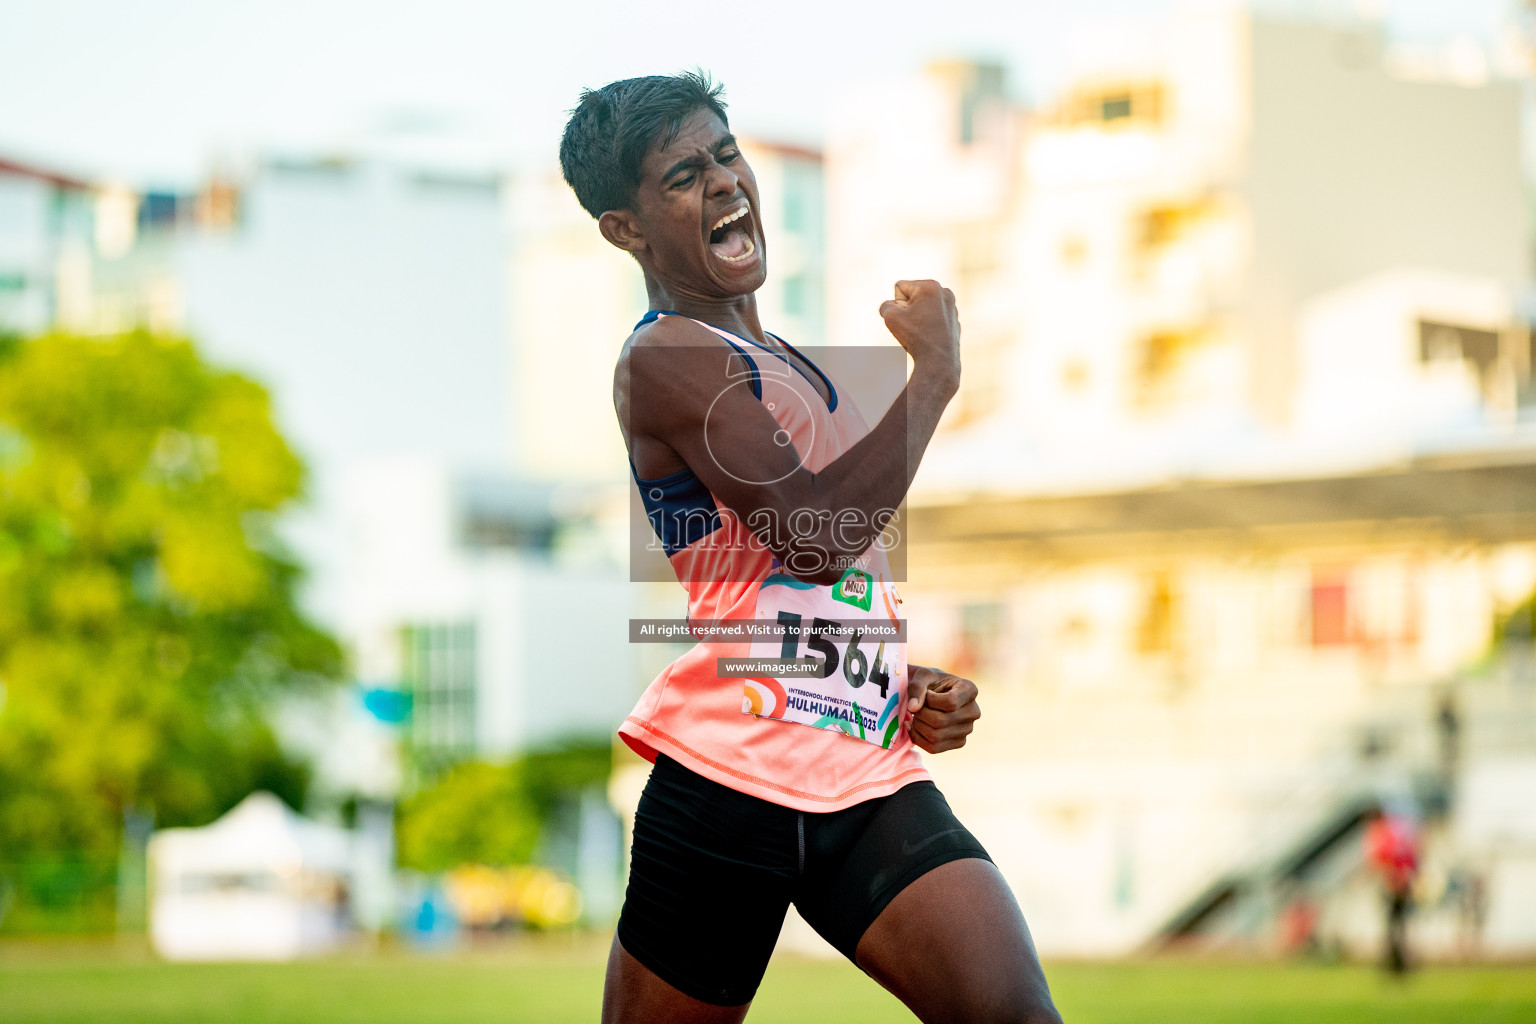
[769, 494]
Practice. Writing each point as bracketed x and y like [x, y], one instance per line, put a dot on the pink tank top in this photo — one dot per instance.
[814, 744]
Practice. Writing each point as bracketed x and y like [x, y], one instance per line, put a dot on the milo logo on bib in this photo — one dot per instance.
[854, 588]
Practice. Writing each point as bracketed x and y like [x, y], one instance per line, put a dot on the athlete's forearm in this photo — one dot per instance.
[854, 497]
[925, 404]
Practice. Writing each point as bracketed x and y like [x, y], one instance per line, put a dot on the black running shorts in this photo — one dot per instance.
[713, 871]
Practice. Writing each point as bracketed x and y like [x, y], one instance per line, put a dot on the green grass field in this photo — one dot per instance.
[555, 982]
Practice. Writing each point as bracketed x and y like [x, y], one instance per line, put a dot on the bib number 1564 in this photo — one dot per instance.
[857, 669]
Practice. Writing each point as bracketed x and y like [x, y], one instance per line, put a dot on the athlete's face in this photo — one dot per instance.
[695, 218]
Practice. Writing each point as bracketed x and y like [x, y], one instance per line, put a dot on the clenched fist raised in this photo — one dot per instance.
[923, 318]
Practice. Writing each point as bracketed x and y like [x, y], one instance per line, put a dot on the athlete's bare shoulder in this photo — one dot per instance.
[673, 351]
[667, 378]
[669, 332]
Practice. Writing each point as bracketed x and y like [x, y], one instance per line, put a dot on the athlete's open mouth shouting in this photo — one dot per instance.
[731, 237]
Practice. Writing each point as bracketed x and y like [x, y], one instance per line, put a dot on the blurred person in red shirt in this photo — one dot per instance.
[1392, 848]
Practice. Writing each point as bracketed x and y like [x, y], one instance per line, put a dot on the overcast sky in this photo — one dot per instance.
[150, 91]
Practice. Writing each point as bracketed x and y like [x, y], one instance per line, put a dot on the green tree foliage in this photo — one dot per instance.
[496, 814]
[475, 813]
[564, 771]
[147, 617]
[1518, 626]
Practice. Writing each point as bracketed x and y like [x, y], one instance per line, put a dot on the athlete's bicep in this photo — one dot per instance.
[697, 401]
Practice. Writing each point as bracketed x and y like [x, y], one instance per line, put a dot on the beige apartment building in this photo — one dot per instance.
[1241, 483]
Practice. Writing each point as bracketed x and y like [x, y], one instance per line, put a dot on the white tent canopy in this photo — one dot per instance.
[262, 882]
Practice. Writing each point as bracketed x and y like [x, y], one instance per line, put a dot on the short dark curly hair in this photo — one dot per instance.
[612, 129]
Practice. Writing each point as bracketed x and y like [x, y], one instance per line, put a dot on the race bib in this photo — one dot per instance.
[846, 656]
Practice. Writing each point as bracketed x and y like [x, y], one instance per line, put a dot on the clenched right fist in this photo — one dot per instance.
[922, 317]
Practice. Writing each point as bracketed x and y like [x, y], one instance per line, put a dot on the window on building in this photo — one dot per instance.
[1440, 342]
[1115, 108]
[1525, 393]
[218, 205]
[800, 198]
[979, 90]
[1330, 609]
[440, 672]
[58, 210]
[794, 211]
[1157, 631]
[1116, 105]
[468, 186]
[1168, 222]
[1161, 380]
[335, 168]
[794, 295]
[483, 529]
[163, 210]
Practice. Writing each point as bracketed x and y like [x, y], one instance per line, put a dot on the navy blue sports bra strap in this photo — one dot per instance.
[757, 380]
[680, 508]
[831, 390]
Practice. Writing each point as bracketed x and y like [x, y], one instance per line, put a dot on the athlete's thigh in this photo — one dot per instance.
[954, 947]
[710, 871]
[634, 994]
[859, 859]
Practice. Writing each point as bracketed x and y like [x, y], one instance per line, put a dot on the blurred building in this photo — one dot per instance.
[1242, 476]
[485, 616]
[493, 606]
[367, 295]
[1158, 232]
[46, 225]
